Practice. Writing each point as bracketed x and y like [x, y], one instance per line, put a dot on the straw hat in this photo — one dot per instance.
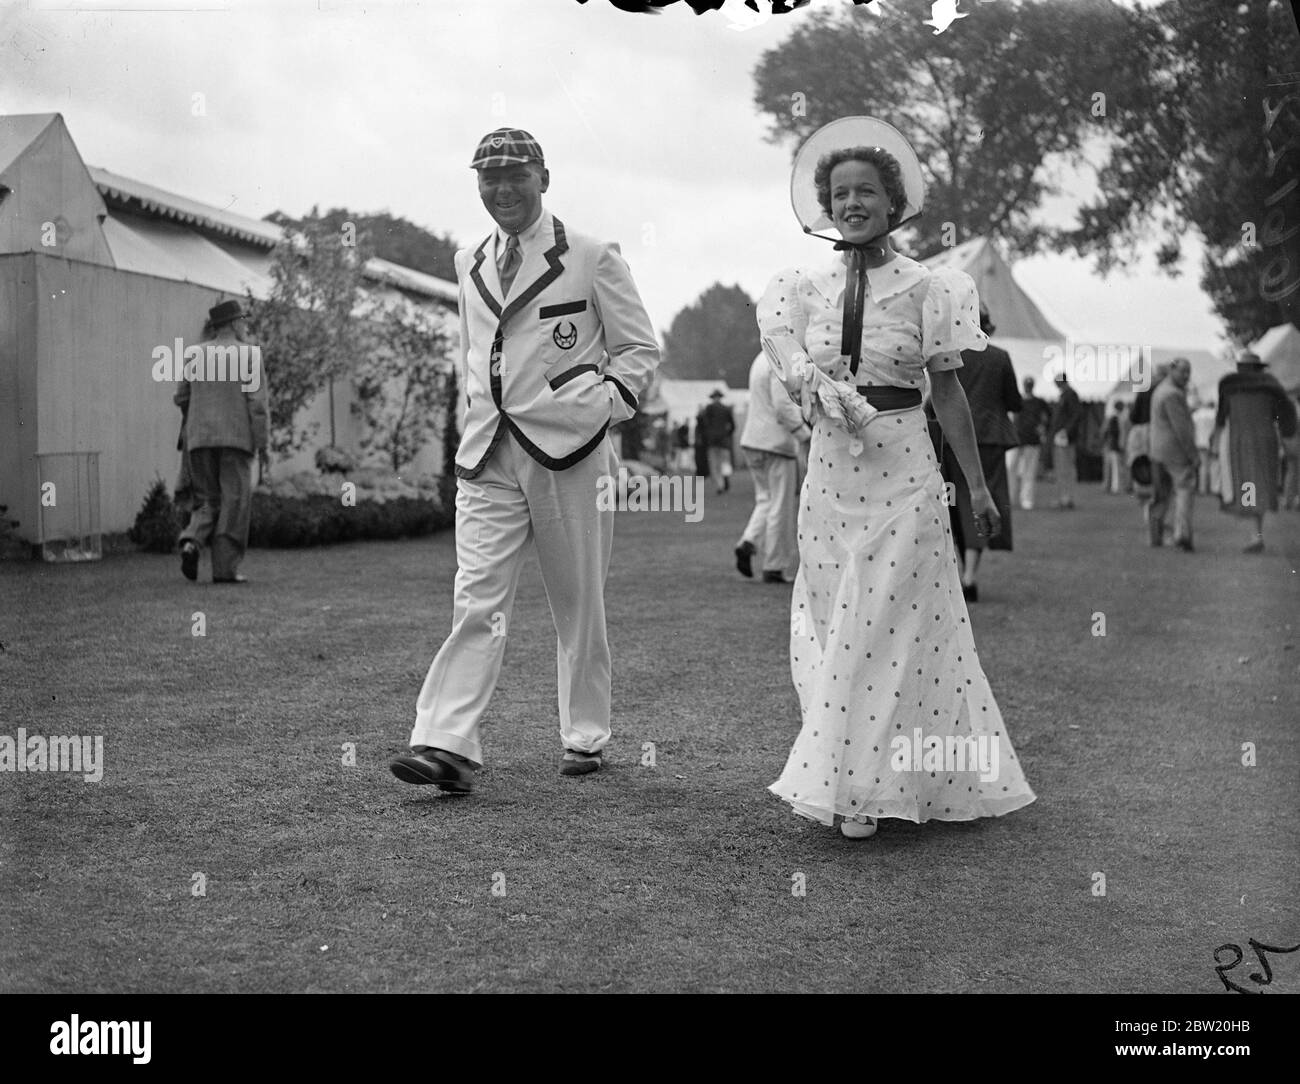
[845, 134]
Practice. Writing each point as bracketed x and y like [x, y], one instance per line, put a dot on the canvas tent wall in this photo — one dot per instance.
[1098, 371]
[686, 398]
[1280, 348]
[1208, 369]
[84, 379]
[96, 271]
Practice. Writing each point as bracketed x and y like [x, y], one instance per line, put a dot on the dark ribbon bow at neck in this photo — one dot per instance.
[855, 293]
[854, 298]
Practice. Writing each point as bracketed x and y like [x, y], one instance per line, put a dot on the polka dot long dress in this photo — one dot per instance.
[881, 648]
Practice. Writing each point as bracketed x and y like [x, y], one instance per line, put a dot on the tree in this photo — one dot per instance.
[307, 328]
[983, 104]
[447, 487]
[714, 339]
[390, 238]
[10, 544]
[155, 529]
[1217, 153]
[405, 380]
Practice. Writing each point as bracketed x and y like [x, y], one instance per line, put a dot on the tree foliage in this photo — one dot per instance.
[450, 443]
[308, 328]
[10, 544]
[716, 338]
[1200, 158]
[983, 104]
[405, 380]
[155, 529]
[392, 238]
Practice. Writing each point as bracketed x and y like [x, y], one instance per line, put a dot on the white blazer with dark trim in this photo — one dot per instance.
[560, 359]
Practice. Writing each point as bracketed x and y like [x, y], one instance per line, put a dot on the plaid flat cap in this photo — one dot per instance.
[506, 147]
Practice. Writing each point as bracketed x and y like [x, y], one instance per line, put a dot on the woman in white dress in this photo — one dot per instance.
[897, 716]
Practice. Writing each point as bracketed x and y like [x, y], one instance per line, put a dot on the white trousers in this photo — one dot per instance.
[772, 527]
[515, 500]
[1022, 474]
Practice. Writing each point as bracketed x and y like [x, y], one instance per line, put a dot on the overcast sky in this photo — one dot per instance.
[647, 123]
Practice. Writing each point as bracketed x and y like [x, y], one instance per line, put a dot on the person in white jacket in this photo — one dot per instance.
[555, 348]
[774, 430]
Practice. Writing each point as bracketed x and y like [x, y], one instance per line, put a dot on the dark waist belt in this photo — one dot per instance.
[887, 397]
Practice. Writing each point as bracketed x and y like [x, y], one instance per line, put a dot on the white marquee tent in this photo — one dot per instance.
[1279, 347]
[1039, 349]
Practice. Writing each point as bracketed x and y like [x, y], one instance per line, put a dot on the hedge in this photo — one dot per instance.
[318, 520]
[310, 509]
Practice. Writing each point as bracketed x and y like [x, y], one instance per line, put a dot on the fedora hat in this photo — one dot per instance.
[224, 313]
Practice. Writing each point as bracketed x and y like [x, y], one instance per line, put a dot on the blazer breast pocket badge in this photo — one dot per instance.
[565, 333]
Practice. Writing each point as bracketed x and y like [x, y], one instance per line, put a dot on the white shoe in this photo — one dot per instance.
[858, 827]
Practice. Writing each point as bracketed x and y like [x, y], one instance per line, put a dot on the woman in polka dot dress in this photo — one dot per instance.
[881, 647]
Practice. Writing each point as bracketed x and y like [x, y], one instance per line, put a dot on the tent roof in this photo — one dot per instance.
[152, 247]
[407, 278]
[1031, 339]
[18, 132]
[181, 209]
[153, 231]
[193, 258]
[1014, 313]
[1280, 348]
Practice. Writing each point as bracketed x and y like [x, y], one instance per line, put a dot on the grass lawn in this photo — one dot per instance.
[224, 758]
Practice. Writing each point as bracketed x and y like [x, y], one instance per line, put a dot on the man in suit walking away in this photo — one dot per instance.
[555, 347]
[718, 424]
[226, 422]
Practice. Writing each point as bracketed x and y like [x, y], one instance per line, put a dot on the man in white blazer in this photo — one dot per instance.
[555, 348]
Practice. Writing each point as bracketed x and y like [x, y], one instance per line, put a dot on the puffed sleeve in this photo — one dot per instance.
[950, 320]
[779, 307]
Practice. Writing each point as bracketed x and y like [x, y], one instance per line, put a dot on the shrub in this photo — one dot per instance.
[303, 484]
[317, 519]
[11, 546]
[155, 529]
[332, 460]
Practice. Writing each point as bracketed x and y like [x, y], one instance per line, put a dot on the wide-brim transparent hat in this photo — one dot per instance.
[845, 134]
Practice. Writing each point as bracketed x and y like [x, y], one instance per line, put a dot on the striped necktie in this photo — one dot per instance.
[509, 265]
